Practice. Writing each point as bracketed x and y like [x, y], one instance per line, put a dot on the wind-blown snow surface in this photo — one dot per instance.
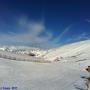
[63, 75]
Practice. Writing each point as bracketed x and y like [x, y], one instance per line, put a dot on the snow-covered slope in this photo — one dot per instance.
[67, 74]
[71, 50]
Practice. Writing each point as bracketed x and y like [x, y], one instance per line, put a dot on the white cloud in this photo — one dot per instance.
[82, 36]
[87, 20]
[55, 42]
[63, 33]
[31, 31]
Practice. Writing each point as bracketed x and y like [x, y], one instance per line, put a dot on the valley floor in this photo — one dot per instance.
[41, 76]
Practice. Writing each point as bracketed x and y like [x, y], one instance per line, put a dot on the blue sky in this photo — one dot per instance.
[44, 23]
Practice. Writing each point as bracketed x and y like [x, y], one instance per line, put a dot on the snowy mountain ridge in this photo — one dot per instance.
[54, 54]
[37, 52]
[69, 50]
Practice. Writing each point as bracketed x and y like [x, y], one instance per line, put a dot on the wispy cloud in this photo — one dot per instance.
[87, 20]
[83, 36]
[65, 31]
[33, 32]
[80, 37]
[56, 42]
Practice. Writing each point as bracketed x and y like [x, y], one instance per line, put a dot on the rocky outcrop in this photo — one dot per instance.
[84, 82]
[88, 69]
